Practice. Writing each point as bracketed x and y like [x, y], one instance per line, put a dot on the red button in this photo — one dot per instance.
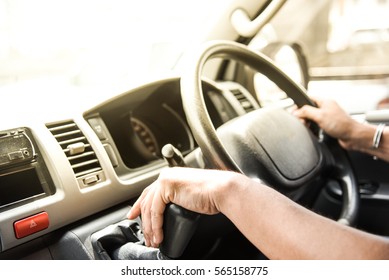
[31, 224]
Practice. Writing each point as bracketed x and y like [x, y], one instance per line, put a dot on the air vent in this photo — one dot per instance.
[79, 152]
[243, 100]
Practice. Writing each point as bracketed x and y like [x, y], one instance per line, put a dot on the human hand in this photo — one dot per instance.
[194, 189]
[331, 118]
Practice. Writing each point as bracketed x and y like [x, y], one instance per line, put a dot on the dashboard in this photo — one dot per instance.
[63, 172]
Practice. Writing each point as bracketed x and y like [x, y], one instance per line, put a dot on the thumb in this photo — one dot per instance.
[307, 112]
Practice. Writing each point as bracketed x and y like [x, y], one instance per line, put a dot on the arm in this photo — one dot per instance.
[351, 134]
[282, 229]
[277, 226]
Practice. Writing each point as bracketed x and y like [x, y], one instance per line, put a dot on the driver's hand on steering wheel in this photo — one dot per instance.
[332, 119]
[197, 190]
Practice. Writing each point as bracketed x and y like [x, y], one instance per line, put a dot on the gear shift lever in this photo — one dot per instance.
[179, 223]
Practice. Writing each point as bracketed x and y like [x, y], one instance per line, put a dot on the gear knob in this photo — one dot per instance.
[178, 228]
[179, 223]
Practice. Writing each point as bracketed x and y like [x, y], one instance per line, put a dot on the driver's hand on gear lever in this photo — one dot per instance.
[197, 190]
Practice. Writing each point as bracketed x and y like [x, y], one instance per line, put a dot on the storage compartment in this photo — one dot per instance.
[19, 185]
[23, 173]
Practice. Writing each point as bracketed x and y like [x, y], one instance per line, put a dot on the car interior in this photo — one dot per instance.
[72, 164]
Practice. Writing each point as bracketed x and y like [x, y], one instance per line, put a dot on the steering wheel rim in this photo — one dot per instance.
[205, 134]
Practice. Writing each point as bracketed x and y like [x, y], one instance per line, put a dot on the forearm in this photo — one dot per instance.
[282, 229]
[351, 134]
[361, 139]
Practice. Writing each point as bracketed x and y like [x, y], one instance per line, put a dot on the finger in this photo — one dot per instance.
[145, 231]
[159, 206]
[146, 205]
[135, 210]
[308, 112]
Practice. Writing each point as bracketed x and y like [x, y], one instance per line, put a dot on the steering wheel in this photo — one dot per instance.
[269, 145]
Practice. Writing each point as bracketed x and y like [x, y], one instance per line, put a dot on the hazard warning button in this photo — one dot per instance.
[31, 224]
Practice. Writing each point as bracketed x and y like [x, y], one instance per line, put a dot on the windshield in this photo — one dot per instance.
[107, 46]
[77, 49]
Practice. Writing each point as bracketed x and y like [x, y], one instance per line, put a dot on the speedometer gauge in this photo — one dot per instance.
[145, 135]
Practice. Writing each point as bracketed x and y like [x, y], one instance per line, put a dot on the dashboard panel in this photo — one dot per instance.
[142, 121]
[80, 167]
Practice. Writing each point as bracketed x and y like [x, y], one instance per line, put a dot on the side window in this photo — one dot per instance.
[343, 40]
